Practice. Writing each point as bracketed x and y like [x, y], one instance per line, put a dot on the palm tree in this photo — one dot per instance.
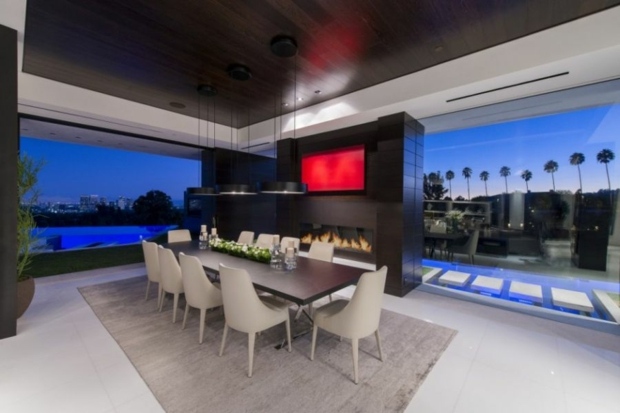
[467, 174]
[551, 167]
[450, 177]
[526, 175]
[605, 156]
[577, 159]
[484, 176]
[505, 172]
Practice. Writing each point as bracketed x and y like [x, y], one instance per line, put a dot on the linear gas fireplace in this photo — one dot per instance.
[349, 242]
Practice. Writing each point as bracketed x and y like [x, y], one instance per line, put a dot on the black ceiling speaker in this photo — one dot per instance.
[239, 72]
[207, 90]
[284, 46]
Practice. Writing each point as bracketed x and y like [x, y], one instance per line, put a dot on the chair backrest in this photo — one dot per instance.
[361, 316]
[199, 291]
[323, 251]
[179, 235]
[170, 271]
[440, 228]
[151, 260]
[284, 243]
[246, 237]
[472, 242]
[243, 310]
[265, 240]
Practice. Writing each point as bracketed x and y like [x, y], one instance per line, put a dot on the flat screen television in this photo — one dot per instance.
[338, 170]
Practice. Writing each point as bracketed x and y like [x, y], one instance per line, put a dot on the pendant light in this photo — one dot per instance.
[235, 189]
[284, 46]
[203, 90]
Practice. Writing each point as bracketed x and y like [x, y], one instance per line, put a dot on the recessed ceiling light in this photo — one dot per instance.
[78, 137]
[52, 133]
[207, 90]
[177, 105]
[299, 99]
[318, 92]
[284, 104]
[438, 48]
[239, 72]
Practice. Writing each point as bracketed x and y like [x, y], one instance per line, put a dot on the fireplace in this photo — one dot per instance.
[349, 242]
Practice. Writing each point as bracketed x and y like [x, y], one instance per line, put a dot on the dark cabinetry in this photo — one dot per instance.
[590, 233]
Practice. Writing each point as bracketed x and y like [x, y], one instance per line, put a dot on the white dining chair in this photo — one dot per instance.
[323, 251]
[179, 235]
[151, 260]
[286, 241]
[244, 311]
[265, 240]
[468, 249]
[171, 279]
[246, 237]
[354, 319]
[199, 291]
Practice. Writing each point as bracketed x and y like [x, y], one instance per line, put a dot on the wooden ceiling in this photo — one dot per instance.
[157, 52]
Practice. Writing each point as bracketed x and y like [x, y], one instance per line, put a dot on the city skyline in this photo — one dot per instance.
[108, 173]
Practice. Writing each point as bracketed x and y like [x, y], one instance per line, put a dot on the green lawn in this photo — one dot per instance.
[62, 262]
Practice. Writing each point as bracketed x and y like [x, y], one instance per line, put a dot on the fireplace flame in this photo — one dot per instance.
[359, 244]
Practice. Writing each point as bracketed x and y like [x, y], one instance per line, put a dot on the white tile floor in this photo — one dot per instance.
[63, 360]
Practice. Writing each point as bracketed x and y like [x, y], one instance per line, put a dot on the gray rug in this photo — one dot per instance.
[185, 376]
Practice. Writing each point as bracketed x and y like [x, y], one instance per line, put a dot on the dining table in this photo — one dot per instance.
[309, 281]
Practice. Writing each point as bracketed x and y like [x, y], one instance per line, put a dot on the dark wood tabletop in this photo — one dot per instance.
[311, 280]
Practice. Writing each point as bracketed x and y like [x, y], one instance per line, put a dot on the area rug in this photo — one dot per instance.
[186, 376]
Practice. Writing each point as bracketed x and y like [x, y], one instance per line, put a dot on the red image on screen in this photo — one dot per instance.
[337, 170]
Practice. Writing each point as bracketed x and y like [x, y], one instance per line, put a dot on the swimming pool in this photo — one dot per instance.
[64, 238]
[603, 316]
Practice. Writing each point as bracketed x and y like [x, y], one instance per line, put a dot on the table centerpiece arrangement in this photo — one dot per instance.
[236, 249]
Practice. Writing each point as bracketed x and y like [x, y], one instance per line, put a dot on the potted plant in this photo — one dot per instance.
[27, 196]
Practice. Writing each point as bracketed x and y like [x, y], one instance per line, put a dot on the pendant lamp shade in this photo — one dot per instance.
[283, 46]
[200, 191]
[283, 187]
[236, 189]
[203, 90]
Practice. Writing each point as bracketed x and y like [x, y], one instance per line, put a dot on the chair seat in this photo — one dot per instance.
[273, 303]
[329, 309]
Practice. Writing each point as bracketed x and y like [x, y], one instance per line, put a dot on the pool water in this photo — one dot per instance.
[65, 238]
[546, 282]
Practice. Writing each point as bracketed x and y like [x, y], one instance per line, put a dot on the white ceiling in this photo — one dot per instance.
[588, 49]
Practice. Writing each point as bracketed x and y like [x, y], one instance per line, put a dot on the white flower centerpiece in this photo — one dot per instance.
[454, 219]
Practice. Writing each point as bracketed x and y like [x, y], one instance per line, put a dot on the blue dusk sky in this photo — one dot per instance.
[529, 144]
[72, 170]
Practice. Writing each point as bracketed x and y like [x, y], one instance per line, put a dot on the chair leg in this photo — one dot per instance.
[148, 286]
[315, 330]
[223, 339]
[161, 301]
[355, 350]
[251, 340]
[330, 298]
[379, 344]
[174, 309]
[288, 332]
[160, 293]
[185, 316]
[203, 315]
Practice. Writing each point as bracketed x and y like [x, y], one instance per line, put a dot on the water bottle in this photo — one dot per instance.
[276, 257]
